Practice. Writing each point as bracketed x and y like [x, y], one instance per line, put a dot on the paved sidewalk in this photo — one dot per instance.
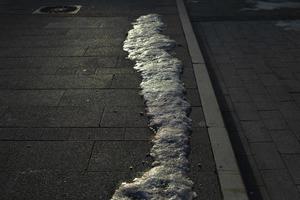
[72, 120]
[255, 68]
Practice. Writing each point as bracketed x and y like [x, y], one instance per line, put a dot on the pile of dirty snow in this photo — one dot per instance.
[167, 109]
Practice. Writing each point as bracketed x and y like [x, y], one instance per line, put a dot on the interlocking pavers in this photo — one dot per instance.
[122, 156]
[192, 96]
[255, 131]
[73, 123]
[200, 154]
[188, 78]
[138, 134]
[117, 116]
[239, 95]
[63, 82]
[266, 155]
[275, 179]
[246, 111]
[43, 155]
[260, 95]
[102, 51]
[31, 97]
[285, 141]
[126, 81]
[43, 184]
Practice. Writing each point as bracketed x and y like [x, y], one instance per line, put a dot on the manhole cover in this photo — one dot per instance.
[72, 9]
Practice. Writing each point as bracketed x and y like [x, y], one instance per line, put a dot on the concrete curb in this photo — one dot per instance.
[231, 182]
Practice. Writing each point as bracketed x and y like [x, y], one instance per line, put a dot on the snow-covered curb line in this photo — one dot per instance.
[167, 109]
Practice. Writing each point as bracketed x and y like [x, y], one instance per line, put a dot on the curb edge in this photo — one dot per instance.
[231, 182]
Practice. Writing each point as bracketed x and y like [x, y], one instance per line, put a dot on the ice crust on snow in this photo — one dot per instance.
[167, 109]
[290, 25]
[264, 5]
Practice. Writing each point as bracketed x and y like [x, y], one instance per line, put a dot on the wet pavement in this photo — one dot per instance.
[254, 64]
[71, 117]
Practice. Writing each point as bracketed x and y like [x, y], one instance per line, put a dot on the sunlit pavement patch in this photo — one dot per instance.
[167, 109]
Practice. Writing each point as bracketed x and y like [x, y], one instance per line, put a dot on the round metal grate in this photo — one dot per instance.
[58, 9]
[66, 9]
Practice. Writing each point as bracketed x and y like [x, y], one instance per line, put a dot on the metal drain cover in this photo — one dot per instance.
[71, 9]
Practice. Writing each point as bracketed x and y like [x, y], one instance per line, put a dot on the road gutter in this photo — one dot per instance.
[231, 182]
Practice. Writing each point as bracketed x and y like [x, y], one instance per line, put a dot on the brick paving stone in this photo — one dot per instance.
[126, 81]
[102, 51]
[193, 97]
[269, 80]
[124, 117]
[293, 164]
[94, 133]
[293, 86]
[275, 124]
[40, 52]
[259, 192]
[263, 102]
[71, 114]
[61, 134]
[270, 114]
[39, 116]
[197, 117]
[31, 97]
[40, 155]
[65, 185]
[138, 134]
[234, 124]
[255, 131]
[120, 156]
[246, 111]
[295, 127]
[250, 172]
[279, 93]
[233, 81]
[239, 95]
[266, 156]
[285, 141]
[241, 147]
[207, 188]
[83, 97]
[264, 99]
[188, 78]
[255, 88]
[247, 74]
[279, 185]
[283, 74]
[63, 82]
[101, 71]
[22, 116]
[200, 154]
[226, 105]
[289, 110]
[273, 119]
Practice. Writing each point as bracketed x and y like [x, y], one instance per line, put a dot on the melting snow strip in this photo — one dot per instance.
[289, 25]
[167, 109]
[263, 5]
